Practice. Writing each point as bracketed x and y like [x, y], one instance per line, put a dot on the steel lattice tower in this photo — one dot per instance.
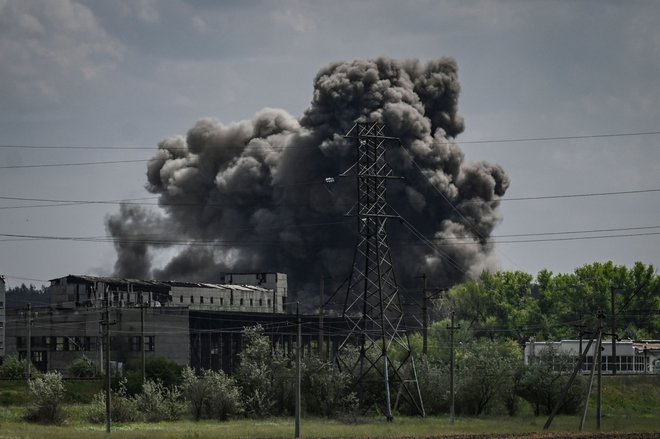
[373, 306]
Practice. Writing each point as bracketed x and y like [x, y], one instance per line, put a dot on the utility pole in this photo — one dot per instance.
[591, 382]
[614, 358]
[298, 346]
[425, 319]
[321, 315]
[564, 392]
[106, 322]
[28, 356]
[142, 354]
[451, 329]
[599, 348]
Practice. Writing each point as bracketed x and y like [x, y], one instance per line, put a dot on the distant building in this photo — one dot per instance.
[263, 292]
[3, 321]
[631, 356]
[195, 324]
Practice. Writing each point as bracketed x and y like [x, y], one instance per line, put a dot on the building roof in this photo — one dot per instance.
[155, 283]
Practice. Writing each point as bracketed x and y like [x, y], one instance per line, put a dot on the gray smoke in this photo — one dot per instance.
[250, 196]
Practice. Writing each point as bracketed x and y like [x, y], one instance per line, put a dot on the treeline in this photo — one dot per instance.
[515, 305]
[19, 297]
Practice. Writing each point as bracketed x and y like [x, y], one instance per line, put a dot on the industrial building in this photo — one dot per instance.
[196, 324]
[631, 356]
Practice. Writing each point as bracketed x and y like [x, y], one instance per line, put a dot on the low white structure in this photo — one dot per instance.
[631, 356]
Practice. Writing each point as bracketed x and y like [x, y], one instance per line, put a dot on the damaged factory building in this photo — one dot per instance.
[195, 324]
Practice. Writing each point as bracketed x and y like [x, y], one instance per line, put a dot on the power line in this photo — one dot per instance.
[432, 243]
[510, 140]
[591, 194]
[60, 202]
[544, 139]
[53, 165]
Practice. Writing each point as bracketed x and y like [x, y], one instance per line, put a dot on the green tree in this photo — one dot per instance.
[255, 373]
[47, 399]
[487, 370]
[326, 390]
[541, 383]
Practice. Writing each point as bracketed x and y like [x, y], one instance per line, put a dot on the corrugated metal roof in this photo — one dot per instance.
[160, 284]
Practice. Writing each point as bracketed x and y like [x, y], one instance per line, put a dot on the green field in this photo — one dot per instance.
[630, 404]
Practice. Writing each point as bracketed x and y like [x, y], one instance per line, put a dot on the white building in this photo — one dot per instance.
[631, 356]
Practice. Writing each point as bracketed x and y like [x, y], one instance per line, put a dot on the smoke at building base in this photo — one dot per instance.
[252, 196]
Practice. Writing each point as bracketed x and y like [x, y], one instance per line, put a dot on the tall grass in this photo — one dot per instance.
[630, 404]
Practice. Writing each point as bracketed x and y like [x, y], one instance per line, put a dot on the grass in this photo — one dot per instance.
[16, 392]
[283, 427]
[630, 404]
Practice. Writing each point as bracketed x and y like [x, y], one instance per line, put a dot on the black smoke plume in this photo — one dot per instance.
[251, 196]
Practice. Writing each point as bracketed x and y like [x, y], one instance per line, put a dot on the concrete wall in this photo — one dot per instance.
[59, 336]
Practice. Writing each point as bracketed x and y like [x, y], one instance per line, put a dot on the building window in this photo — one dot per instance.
[251, 302]
[640, 363]
[2, 304]
[192, 299]
[135, 343]
[626, 363]
[241, 301]
[150, 343]
[2, 324]
[211, 300]
[75, 343]
[222, 300]
[91, 343]
[201, 299]
[38, 356]
[261, 302]
[180, 299]
[269, 303]
[61, 344]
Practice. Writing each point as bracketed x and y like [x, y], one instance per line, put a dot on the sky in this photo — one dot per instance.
[584, 76]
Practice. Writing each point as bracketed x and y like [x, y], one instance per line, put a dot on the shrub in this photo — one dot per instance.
[542, 382]
[255, 373]
[159, 403]
[325, 389]
[160, 369]
[123, 407]
[47, 397]
[485, 374]
[434, 385]
[82, 367]
[211, 395]
[14, 369]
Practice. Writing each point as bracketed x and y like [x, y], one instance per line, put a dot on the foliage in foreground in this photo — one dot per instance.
[47, 399]
[211, 395]
[14, 369]
[123, 407]
[82, 367]
[159, 403]
[542, 382]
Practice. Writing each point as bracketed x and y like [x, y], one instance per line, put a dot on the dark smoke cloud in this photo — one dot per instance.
[254, 189]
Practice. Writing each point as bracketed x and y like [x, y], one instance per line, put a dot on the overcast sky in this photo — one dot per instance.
[128, 73]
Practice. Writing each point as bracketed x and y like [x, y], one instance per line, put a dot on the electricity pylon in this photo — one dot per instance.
[373, 307]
